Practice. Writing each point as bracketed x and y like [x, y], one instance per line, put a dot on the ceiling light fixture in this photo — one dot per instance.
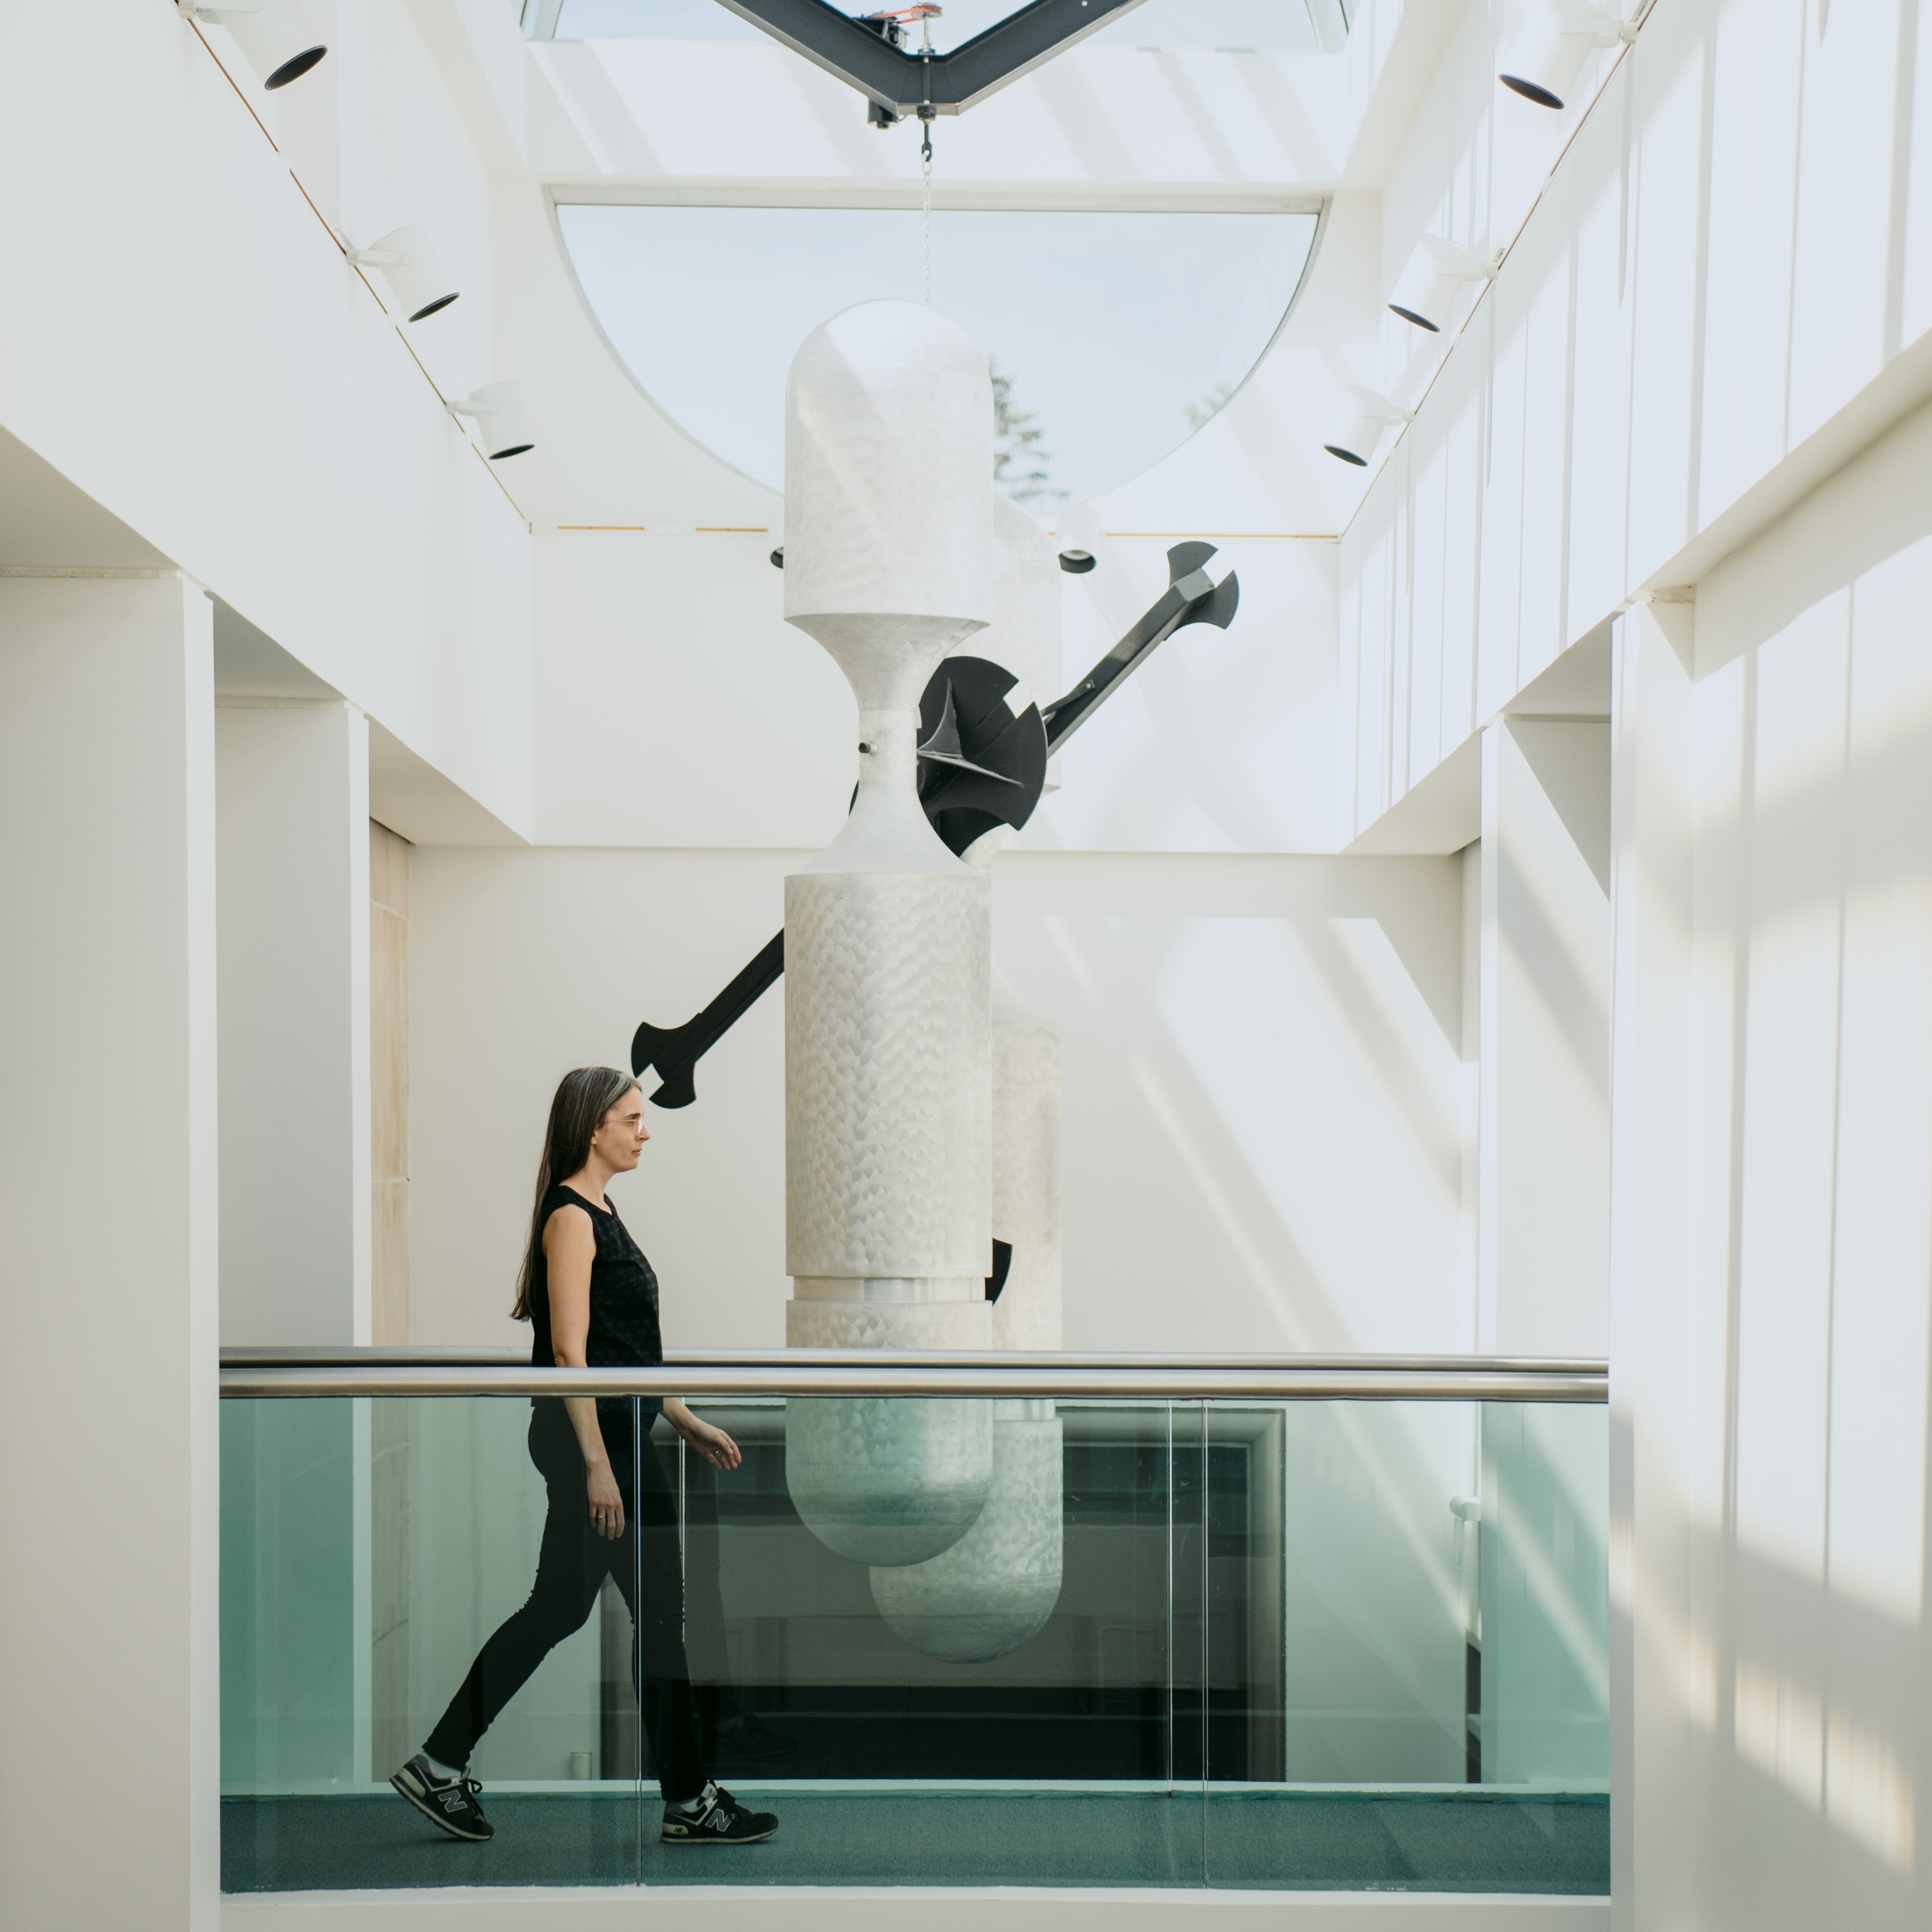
[498, 408]
[1550, 47]
[274, 36]
[1436, 272]
[1365, 415]
[1079, 539]
[414, 271]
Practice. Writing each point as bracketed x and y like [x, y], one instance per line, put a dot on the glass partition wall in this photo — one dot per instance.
[1063, 1640]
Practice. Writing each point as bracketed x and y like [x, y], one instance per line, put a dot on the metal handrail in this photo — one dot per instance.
[265, 1372]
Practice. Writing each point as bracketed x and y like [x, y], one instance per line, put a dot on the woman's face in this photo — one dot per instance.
[621, 1134]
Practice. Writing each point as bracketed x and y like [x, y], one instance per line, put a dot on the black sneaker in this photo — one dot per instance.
[719, 1820]
[449, 1803]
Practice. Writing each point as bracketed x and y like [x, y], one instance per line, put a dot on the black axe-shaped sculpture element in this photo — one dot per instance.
[979, 767]
[1192, 597]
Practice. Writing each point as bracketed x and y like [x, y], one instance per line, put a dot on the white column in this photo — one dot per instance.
[1542, 1236]
[1656, 1657]
[109, 1622]
[292, 815]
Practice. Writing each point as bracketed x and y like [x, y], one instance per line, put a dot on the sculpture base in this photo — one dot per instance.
[814, 1323]
[996, 1587]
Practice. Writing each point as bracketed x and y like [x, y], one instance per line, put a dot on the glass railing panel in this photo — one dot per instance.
[371, 1547]
[1545, 1598]
[1264, 1643]
[1407, 1647]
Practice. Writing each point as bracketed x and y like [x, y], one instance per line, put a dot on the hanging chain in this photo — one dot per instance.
[926, 148]
[925, 179]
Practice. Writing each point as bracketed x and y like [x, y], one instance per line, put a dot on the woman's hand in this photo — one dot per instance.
[606, 1505]
[713, 1444]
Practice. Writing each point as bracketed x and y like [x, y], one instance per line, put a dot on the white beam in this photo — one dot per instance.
[1544, 965]
[293, 844]
[109, 1625]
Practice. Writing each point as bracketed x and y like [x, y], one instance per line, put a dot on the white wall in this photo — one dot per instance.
[108, 1471]
[1264, 1086]
[293, 892]
[265, 425]
[1732, 250]
[1772, 1205]
[1542, 1240]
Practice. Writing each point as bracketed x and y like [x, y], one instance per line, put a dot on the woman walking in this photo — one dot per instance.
[591, 1300]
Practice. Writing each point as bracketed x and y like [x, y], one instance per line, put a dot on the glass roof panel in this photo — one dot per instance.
[1154, 23]
[1113, 353]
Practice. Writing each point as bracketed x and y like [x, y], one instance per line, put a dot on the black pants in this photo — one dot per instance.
[572, 1562]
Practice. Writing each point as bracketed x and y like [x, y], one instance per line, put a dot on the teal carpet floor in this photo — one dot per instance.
[1268, 1840]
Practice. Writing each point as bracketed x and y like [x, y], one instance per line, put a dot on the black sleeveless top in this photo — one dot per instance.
[623, 1325]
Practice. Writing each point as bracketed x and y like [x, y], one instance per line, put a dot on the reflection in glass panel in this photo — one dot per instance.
[1155, 23]
[952, 1702]
[1328, 1645]
[1106, 357]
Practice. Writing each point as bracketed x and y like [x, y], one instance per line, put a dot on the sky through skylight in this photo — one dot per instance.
[1119, 334]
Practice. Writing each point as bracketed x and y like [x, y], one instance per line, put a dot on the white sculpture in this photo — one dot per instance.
[1025, 633]
[1026, 1172]
[888, 1040]
[996, 1587]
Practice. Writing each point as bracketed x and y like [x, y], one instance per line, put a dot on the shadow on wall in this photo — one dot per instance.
[1792, 1640]
[1263, 1096]
[1264, 1086]
[1808, 1728]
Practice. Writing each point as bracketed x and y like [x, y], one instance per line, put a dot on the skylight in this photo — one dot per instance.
[1155, 23]
[1116, 335]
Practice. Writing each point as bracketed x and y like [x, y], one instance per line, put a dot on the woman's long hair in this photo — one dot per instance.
[584, 1095]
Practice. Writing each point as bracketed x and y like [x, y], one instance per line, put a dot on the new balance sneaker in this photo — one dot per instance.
[715, 1819]
[448, 1803]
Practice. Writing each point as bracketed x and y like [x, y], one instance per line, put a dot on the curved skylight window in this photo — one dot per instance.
[1112, 337]
[1154, 23]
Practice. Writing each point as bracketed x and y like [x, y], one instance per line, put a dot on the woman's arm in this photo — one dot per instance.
[570, 1247]
[713, 1444]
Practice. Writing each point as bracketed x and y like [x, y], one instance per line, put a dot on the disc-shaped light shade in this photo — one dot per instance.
[501, 417]
[888, 463]
[277, 40]
[422, 283]
[1544, 60]
[1357, 426]
[1425, 294]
